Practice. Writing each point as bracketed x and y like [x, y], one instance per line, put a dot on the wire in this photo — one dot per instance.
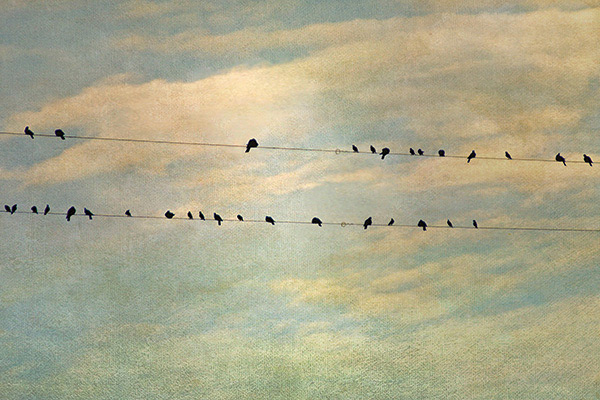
[342, 224]
[336, 151]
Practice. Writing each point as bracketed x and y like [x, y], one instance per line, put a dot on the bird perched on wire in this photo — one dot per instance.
[507, 155]
[34, 210]
[373, 150]
[128, 213]
[70, 212]
[60, 134]
[240, 218]
[47, 209]
[384, 152]
[411, 151]
[13, 209]
[251, 144]
[189, 215]
[450, 224]
[269, 220]
[169, 214]
[442, 153]
[587, 159]
[88, 213]
[218, 218]
[391, 222]
[368, 222]
[561, 159]
[422, 224]
[471, 156]
[421, 152]
[29, 132]
[317, 221]
[201, 215]
[7, 208]
[475, 224]
[354, 149]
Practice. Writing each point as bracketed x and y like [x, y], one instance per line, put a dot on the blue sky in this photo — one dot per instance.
[158, 309]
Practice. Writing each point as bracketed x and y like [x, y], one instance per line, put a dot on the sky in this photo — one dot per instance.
[158, 309]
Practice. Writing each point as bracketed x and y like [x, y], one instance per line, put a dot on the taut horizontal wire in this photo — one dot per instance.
[336, 151]
[342, 224]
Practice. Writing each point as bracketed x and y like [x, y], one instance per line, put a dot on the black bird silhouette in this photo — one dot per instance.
[507, 155]
[368, 222]
[384, 152]
[47, 209]
[421, 152]
[373, 150]
[34, 209]
[270, 220]
[251, 143]
[128, 213]
[391, 222]
[7, 208]
[13, 209]
[29, 132]
[411, 151]
[60, 134]
[169, 214]
[218, 218]
[422, 224]
[450, 224]
[561, 159]
[70, 212]
[240, 218]
[88, 213]
[317, 221]
[201, 215]
[354, 149]
[471, 156]
[190, 216]
[475, 224]
[587, 159]
[441, 153]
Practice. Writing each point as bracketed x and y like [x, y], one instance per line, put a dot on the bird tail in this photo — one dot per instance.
[365, 226]
[69, 218]
[320, 224]
[219, 222]
[565, 163]
[424, 228]
[247, 149]
[90, 217]
[382, 156]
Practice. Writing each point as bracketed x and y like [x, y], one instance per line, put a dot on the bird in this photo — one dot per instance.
[506, 153]
[70, 212]
[421, 152]
[34, 210]
[13, 209]
[471, 156]
[561, 159]
[47, 209]
[169, 214]
[373, 150]
[587, 159]
[422, 224]
[60, 134]
[317, 221]
[29, 132]
[88, 213]
[218, 218]
[391, 222]
[7, 208]
[190, 216]
[368, 222]
[475, 224]
[128, 213]
[201, 215]
[450, 224]
[384, 152]
[442, 153]
[411, 151]
[270, 220]
[240, 218]
[354, 149]
[251, 143]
